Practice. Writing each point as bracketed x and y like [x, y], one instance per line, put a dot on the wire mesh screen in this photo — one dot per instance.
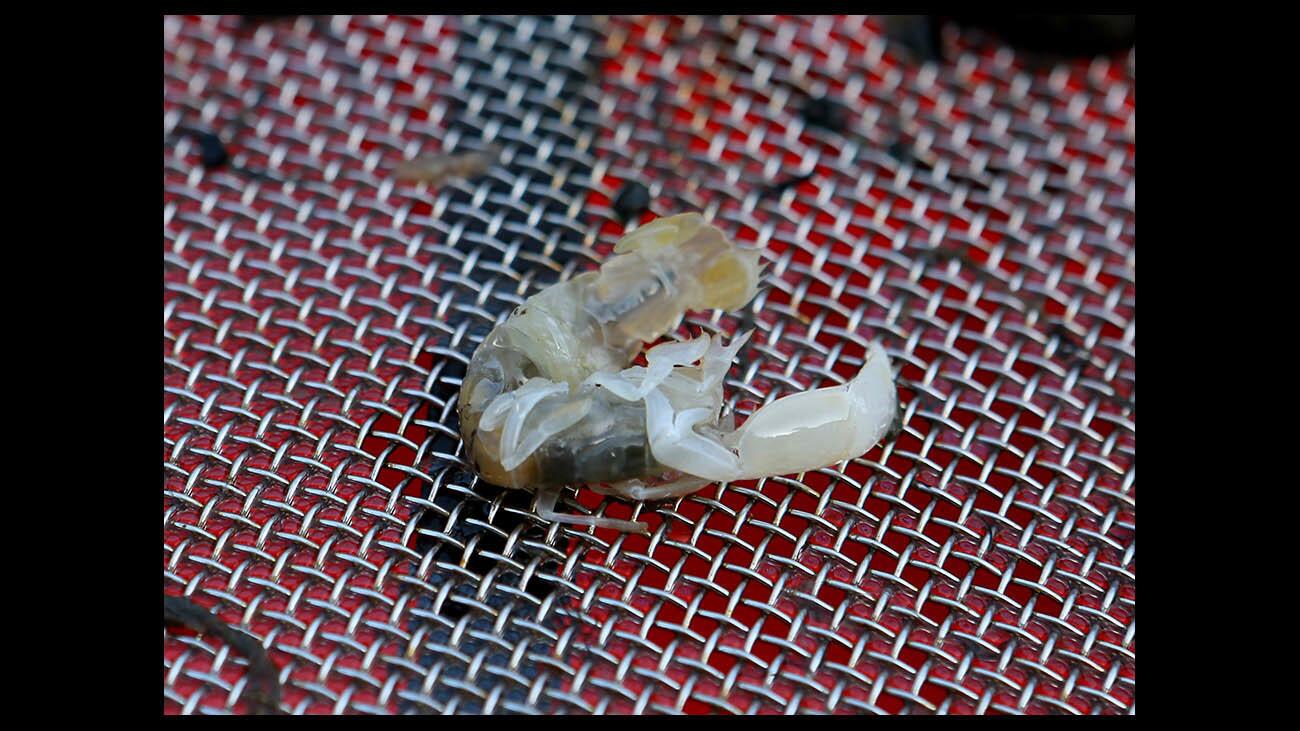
[974, 213]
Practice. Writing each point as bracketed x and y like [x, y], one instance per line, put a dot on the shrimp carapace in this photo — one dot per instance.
[551, 399]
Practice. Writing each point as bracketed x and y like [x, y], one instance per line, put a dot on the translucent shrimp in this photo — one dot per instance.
[550, 398]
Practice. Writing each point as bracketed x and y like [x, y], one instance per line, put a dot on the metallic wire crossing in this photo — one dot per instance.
[973, 213]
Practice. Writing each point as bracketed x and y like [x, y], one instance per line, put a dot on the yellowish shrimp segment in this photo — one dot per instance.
[550, 398]
[439, 168]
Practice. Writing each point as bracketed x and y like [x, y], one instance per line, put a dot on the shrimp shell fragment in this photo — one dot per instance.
[437, 169]
[551, 399]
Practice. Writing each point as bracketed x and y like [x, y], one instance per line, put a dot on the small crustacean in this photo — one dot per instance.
[437, 169]
[551, 399]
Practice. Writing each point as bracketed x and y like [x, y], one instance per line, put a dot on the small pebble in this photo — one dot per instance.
[632, 200]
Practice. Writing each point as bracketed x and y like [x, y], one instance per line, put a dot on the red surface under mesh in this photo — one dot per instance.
[980, 562]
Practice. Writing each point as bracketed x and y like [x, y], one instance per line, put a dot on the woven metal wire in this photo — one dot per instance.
[976, 215]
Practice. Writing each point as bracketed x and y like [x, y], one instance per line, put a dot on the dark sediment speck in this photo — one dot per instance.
[632, 200]
[826, 113]
[212, 153]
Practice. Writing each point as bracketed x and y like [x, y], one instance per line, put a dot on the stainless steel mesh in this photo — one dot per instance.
[976, 216]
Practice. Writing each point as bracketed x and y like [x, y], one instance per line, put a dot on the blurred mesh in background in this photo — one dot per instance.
[922, 183]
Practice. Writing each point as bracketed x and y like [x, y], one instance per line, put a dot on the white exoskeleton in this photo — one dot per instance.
[550, 399]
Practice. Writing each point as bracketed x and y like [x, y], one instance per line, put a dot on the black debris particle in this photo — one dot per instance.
[212, 152]
[1066, 345]
[632, 200]
[826, 113]
[907, 154]
[263, 690]
[780, 186]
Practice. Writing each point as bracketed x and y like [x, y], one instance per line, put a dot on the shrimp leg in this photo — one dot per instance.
[545, 508]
